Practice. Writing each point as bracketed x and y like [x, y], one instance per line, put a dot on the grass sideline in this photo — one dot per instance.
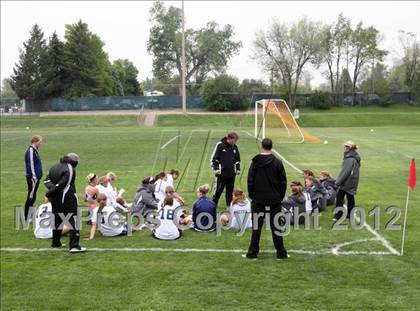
[191, 281]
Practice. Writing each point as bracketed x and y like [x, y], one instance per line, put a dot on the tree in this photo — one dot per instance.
[345, 84]
[207, 50]
[286, 51]
[375, 80]
[222, 94]
[364, 48]
[411, 61]
[54, 73]
[124, 75]
[335, 39]
[250, 86]
[28, 79]
[7, 91]
[86, 65]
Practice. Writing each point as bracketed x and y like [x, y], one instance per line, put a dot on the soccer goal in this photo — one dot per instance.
[274, 119]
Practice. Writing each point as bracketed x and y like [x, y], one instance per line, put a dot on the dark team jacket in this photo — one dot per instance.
[208, 208]
[226, 158]
[267, 180]
[60, 183]
[33, 163]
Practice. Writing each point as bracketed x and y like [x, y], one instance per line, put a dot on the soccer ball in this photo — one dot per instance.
[371, 130]
[325, 142]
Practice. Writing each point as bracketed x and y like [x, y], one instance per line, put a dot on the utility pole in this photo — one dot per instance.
[183, 91]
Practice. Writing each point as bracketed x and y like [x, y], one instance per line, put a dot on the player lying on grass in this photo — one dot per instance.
[204, 211]
[239, 212]
[317, 192]
[298, 202]
[43, 230]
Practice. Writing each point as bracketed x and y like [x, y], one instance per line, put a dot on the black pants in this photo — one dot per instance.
[340, 202]
[273, 210]
[68, 207]
[222, 182]
[31, 197]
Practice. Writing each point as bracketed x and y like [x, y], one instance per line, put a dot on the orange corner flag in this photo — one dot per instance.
[412, 175]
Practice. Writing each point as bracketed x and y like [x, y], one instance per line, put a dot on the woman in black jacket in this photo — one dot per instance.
[348, 179]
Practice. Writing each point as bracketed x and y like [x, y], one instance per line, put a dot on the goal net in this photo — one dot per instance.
[274, 119]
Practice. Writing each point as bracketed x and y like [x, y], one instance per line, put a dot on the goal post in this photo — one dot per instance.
[274, 119]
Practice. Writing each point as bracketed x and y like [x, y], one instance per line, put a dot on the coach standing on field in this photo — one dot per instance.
[62, 195]
[33, 171]
[266, 188]
[226, 162]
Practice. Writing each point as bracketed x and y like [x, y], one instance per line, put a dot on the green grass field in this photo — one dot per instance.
[329, 270]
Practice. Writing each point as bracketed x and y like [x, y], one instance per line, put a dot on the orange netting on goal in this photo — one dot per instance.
[280, 122]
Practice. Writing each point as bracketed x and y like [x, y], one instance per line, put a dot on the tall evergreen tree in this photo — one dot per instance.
[28, 78]
[86, 65]
[54, 70]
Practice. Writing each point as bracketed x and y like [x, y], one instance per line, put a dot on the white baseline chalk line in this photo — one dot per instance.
[379, 237]
[334, 251]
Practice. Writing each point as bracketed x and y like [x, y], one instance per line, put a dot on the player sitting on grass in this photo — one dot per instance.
[101, 202]
[239, 212]
[204, 211]
[307, 173]
[112, 222]
[145, 200]
[317, 192]
[116, 197]
[299, 201]
[91, 196]
[171, 176]
[43, 228]
[329, 184]
[167, 230]
[160, 185]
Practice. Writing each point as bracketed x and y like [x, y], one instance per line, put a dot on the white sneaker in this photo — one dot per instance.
[78, 250]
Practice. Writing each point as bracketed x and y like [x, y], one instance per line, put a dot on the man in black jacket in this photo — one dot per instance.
[62, 195]
[226, 164]
[266, 187]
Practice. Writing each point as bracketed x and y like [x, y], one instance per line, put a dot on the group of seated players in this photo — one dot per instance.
[156, 198]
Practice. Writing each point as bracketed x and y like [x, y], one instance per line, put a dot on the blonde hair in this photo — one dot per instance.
[350, 144]
[204, 189]
[36, 138]
[110, 174]
[90, 177]
[102, 180]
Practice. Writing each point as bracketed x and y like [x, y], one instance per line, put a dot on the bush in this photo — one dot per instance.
[385, 100]
[322, 100]
[222, 94]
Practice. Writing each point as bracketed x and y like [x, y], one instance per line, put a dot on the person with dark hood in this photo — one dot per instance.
[329, 184]
[145, 200]
[299, 202]
[61, 192]
[266, 188]
[225, 162]
[348, 179]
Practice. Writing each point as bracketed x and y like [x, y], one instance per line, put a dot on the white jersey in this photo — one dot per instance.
[41, 213]
[160, 187]
[169, 180]
[167, 230]
[238, 212]
[110, 193]
[110, 225]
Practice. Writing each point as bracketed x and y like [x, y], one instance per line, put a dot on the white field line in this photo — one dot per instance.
[379, 237]
[195, 250]
[169, 141]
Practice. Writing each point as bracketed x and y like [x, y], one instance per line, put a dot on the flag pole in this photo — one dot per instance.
[405, 222]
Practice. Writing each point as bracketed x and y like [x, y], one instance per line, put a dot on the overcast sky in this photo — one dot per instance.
[124, 26]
